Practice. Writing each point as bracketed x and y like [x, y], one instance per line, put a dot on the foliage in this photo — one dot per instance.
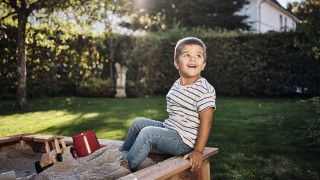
[8, 64]
[96, 87]
[63, 65]
[244, 64]
[62, 18]
[308, 11]
[18, 13]
[141, 58]
[263, 64]
[61, 51]
[150, 58]
[157, 15]
[271, 64]
[131, 89]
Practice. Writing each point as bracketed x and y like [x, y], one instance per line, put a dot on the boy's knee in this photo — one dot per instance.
[147, 132]
[137, 122]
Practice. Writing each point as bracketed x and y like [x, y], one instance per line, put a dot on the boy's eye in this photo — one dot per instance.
[198, 56]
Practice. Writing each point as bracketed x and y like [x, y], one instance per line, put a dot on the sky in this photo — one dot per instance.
[284, 2]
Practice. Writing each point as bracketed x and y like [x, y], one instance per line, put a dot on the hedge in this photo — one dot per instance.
[271, 64]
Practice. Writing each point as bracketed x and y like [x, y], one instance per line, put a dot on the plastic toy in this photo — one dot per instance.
[84, 144]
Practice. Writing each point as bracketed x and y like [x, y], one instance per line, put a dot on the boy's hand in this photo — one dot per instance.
[195, 158]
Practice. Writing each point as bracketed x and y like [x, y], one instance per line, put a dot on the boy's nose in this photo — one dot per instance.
[193, 58]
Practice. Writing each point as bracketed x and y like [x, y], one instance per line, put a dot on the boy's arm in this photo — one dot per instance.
[195, 156]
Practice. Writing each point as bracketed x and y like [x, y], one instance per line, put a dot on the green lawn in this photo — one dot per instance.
[258, 138]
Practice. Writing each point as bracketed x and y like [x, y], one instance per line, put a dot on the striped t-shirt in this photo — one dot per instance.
[184, 103]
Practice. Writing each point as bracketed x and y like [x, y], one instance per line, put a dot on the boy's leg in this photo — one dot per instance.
[162, 139]
[135, 129]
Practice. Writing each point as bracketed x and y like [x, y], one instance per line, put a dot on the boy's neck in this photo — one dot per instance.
[188, 81]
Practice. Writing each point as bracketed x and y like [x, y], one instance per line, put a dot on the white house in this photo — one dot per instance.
[268, 15]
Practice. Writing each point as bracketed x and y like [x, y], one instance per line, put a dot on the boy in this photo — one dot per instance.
[190, 105]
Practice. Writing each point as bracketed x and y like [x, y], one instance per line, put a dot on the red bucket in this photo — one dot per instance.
[85, 143]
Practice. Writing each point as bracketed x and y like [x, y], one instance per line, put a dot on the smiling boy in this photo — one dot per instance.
[190, 106]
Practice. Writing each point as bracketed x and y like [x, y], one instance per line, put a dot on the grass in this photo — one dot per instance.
[258, 138]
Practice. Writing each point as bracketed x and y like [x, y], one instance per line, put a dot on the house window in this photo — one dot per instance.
[293, 25]
[285, 24]
[281, 23]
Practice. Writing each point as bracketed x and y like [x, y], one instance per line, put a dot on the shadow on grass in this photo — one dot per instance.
[99, 124]
[110, 118]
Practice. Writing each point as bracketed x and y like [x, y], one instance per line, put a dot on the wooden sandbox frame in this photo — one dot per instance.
[171, 168]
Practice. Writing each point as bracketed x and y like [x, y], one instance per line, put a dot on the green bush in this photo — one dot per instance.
[270, 64]
[96, 87]
[131, 89]
[8, 64]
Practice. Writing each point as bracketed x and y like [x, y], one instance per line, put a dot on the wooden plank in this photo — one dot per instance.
[29, 137]
[172, 168]
[7, 147]
[43, 138]
[185, 175]
[12, 138]
[68, 140]
[8, 143]
[102, 142]
[161, 170]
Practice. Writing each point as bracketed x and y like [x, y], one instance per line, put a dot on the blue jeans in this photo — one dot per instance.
[146, 134]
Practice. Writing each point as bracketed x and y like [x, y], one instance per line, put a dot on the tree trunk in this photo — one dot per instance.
[22, 102]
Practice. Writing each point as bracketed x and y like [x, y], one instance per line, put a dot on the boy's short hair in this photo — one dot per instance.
[189, 41]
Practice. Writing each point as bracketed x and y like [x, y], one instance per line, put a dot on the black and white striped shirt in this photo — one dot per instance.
[184, 103]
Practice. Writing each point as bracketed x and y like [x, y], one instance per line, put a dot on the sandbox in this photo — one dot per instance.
[19, 152]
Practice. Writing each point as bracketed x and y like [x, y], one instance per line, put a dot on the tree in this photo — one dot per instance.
[20, 11]
[308, 12]
[162, 14]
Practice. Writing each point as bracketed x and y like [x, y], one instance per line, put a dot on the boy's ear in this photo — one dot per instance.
[203, 66]
[176, 64]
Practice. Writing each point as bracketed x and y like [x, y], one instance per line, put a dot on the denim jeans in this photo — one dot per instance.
[147, 134]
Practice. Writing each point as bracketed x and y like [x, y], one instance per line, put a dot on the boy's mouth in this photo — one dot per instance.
[192, 66]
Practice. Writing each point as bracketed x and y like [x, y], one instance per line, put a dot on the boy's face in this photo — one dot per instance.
[191, 61]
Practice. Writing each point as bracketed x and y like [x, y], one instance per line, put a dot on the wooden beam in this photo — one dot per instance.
[12, 138]
[175, 168]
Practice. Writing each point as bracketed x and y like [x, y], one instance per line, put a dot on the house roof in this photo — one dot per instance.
[275, 1]
[281, 8]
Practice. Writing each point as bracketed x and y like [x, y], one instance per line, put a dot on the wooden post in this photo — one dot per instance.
[22, 142]
[63, 143]
[47, 147]
[204, 172]
[57, 146]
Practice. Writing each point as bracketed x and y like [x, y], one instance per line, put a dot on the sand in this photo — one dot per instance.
[20, 160]
[102, 164]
